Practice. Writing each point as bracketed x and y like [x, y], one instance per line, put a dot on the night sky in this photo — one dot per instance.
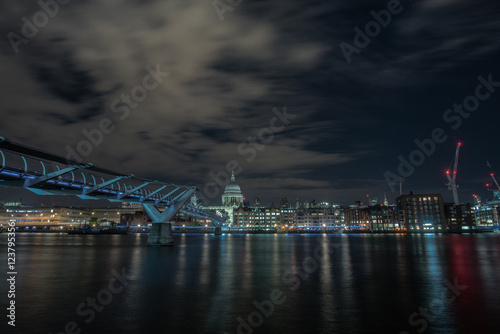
[349, 118]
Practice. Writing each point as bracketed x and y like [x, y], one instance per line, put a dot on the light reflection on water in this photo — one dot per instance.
[364, 284]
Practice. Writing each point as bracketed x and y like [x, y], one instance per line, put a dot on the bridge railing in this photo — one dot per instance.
[20, 163]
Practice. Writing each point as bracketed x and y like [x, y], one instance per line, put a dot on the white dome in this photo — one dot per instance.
[232, 188]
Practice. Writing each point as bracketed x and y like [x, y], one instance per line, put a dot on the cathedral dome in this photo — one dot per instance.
[232, 188]
[232, 194]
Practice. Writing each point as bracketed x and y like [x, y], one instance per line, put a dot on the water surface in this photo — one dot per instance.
[256, 283]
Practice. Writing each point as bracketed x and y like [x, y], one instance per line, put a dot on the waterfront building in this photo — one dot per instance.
[384, 218]
[372, 218]
[357, 218]
[421, 212]
[257, 218]
[33, 218]
[487, 215]
[318, 218]
[459, 217]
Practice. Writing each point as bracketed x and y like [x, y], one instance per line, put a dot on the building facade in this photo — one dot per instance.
[421, 212]
[232, 195]
[33, 218]
[319, 218]
[459, 217]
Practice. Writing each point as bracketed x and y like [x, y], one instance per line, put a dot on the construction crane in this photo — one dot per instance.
[452, 176]
[495, 180]
[496, 193]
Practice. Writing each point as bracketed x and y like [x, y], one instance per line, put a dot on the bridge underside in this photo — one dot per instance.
[48, 174]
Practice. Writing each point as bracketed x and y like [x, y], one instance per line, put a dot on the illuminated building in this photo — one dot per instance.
[487, 215]
[357, 217]
[459, 217]
[421, 212]
[384, 218]
[262, 218]
[372, 218]
[318, 218]
[232, 194]
[231, 199]
[31, 218]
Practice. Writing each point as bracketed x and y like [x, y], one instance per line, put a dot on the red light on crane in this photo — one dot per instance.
[447, 172]
[459, 144]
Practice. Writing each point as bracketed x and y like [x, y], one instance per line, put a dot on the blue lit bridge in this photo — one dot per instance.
[48, 174]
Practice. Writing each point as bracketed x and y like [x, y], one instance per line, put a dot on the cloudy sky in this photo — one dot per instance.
[355, 103]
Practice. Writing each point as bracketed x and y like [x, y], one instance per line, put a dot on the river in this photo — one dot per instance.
[304, 283]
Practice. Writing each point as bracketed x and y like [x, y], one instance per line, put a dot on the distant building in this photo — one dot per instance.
[331, 218]
[232, 198]
[132, 206]
[459, 217]
[284, 203]
[138, 218]
[357, 217]
[262, 218]
[384, 218]
[420, 212]
[256, 201]
[12, 204]
[33, 218]
[372, 218]
[232, 194]
[487, 215]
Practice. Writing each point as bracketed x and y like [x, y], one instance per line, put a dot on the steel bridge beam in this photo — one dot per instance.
[126, 193]
[31, 182]
[153, 193]
[104, 184]
[167, 195]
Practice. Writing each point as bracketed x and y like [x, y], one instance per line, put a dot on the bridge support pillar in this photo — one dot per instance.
[161, 235]
[218, 230]
[161, 229]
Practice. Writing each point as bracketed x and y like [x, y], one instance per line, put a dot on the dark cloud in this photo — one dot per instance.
[353, 120]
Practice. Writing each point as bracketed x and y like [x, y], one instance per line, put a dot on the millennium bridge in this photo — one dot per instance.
[49, 174]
